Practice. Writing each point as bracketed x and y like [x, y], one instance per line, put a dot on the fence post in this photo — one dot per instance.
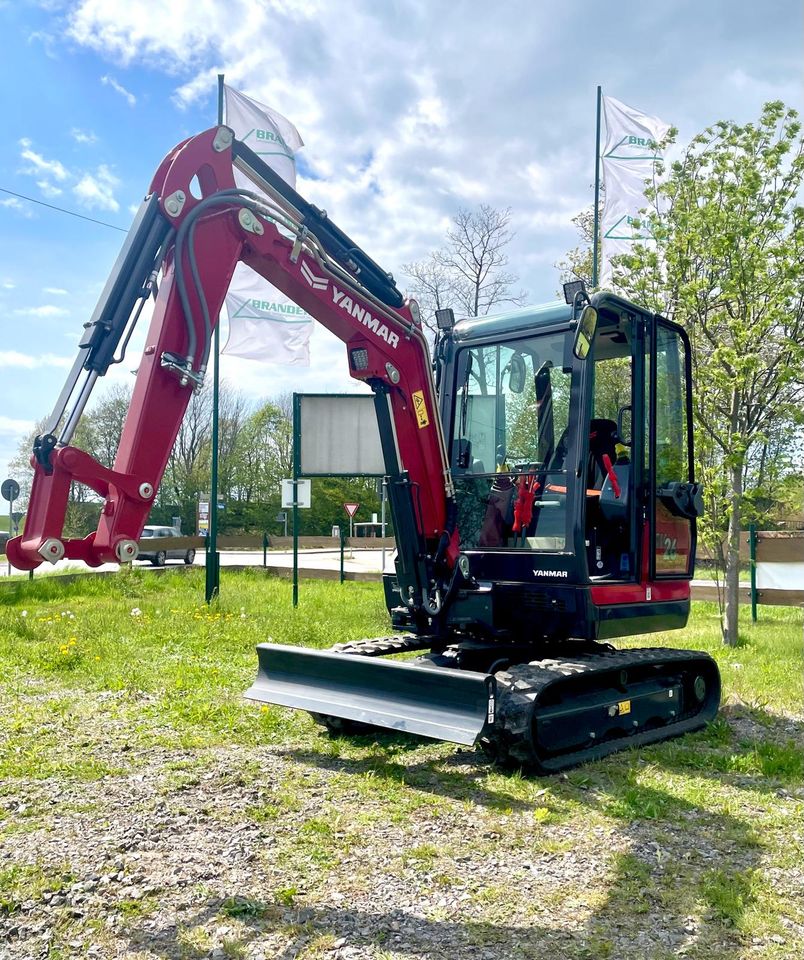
[296, 471]
[265, 549]
[752, 544]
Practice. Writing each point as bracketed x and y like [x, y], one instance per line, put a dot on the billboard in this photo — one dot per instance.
[339, 436]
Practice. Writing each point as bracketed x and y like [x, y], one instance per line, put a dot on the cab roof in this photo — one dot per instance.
[525, 319]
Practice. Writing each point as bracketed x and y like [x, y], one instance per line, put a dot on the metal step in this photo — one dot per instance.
[445, 704]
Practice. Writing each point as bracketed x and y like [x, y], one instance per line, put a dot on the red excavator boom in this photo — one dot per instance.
[195, 226]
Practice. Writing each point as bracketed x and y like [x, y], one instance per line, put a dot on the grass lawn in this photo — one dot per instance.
[147, 811]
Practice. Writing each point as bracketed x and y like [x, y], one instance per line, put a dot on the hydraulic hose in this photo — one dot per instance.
[184, 235]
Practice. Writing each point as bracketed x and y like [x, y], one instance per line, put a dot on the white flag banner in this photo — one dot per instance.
[629, 154]
[265, 131]
[263, 323]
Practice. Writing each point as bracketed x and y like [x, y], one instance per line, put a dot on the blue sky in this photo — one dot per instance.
[409, 110]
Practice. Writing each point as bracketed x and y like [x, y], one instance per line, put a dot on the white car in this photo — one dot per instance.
[158, 556]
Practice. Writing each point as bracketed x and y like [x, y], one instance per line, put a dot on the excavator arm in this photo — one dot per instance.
[194, 226]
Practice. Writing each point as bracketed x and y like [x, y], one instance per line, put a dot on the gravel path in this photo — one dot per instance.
[278, 852]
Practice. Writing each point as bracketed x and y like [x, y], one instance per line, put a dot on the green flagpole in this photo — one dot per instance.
[595, 240]
[213, 559]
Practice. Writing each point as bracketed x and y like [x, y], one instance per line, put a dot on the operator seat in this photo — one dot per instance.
[602, 442]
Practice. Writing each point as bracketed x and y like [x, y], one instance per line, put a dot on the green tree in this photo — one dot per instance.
[263, 453]
[104, 422]
[578, 262]
[234, 410]
[728, 264]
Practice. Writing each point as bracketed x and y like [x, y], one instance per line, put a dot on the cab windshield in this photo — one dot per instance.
[509, 447]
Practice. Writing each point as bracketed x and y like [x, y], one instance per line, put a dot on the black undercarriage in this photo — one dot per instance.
[579, 701]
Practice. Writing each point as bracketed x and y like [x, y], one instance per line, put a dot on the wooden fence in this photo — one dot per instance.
[766, 547]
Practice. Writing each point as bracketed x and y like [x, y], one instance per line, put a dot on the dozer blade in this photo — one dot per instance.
[433, 702]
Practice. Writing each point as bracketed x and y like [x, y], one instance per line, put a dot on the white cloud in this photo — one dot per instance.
[55, 291]
[49, 42]
[48, 189]
[83, 136]
[43, 312]
[47, 172]
[96, 191]
[127, 95]
[426, 130]
[761, 89]
[93, 190]
[38, 165]
[13, 203]
[182, 30]
[8, 284]
[484, 113]
[13, 426]
[27, 361]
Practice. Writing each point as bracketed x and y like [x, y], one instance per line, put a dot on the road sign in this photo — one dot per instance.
[351, 508]
[10, 490]
[304, 494]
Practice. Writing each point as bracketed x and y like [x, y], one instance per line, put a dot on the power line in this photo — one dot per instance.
[70, 213]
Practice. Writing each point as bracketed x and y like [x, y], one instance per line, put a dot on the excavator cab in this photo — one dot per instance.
[570, 469]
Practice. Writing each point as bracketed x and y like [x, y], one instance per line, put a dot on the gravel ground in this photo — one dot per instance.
[284, 852]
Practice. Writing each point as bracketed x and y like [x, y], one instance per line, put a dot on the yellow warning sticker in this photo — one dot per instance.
[421, 408]
[624, 706]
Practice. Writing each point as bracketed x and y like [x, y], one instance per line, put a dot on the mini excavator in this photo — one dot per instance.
[539, 467]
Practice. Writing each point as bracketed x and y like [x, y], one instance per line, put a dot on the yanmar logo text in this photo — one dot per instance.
[561, 574]
[360, 313]
[354, 309]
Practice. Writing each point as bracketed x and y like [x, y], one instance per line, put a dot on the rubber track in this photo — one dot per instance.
[373, 647]
[518, 688]
[384, 646]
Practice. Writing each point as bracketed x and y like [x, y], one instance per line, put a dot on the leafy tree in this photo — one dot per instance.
[728, 264]
[578, 263]
[104, 423]
[263, 453]
[470, 272]
[233, 412]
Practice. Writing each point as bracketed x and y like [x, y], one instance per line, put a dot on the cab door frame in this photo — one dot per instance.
[640, 337]
[652, 498]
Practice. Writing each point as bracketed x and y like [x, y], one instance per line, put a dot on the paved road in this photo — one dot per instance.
[355, 561]
[359, 560]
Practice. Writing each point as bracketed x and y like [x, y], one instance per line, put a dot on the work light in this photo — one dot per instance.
[445, 319]
[572, 289]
